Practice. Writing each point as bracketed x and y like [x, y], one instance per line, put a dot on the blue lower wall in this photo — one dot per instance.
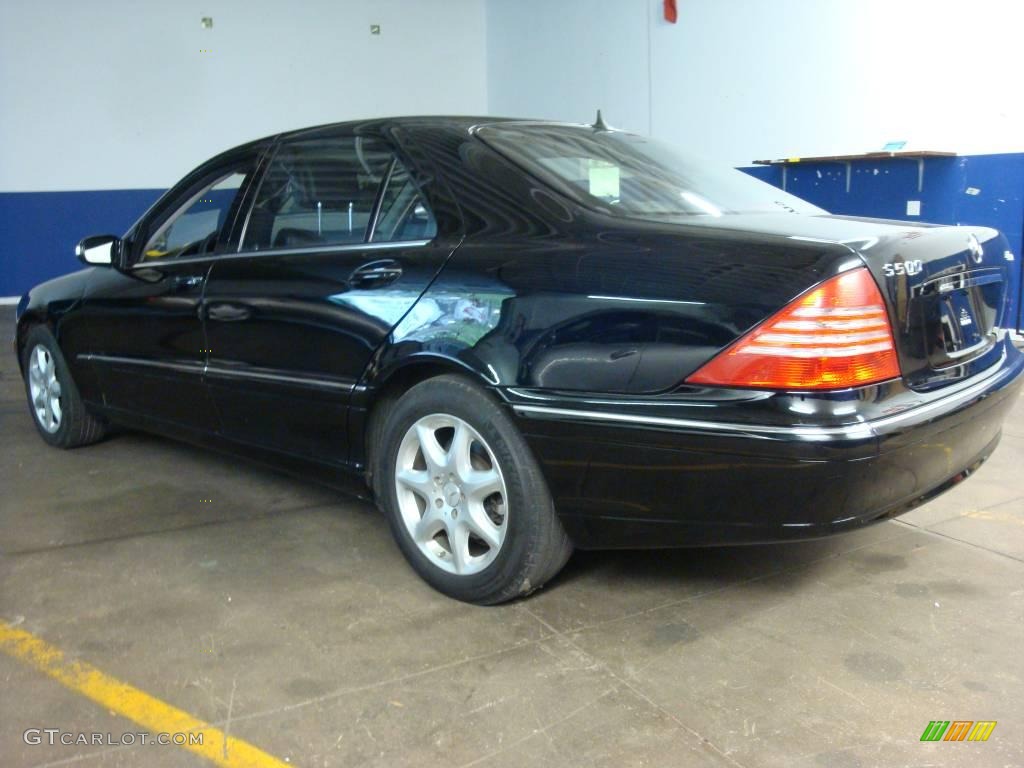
[40, 230]
[986, 190]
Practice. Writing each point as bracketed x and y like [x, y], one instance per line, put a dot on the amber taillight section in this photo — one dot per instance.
[835, 336]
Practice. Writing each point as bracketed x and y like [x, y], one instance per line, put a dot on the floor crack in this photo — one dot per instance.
[626, 683]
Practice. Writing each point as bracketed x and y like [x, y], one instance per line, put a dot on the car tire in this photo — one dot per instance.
[57, 409]
[464, 496]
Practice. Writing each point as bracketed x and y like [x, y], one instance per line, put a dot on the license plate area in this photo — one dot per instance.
[958, 314]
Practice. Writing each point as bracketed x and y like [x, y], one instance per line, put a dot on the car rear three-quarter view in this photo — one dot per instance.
[523, 337]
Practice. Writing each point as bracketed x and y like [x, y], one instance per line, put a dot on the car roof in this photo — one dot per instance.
[449, 122]
[457, 123]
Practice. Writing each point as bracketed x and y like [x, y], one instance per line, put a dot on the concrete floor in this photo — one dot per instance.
[284, 614]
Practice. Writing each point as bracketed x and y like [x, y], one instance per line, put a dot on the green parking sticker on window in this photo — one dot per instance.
[603, 179]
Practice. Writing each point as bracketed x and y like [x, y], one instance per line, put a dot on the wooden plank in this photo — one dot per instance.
[916, 154]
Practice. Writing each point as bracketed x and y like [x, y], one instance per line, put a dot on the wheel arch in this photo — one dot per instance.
[25, 323]
[383, 388]
[48, 304]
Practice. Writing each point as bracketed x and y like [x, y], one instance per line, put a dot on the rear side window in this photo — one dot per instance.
[403, 214]
[325, 192]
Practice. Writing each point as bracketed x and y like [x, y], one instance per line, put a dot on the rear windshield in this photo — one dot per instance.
[629, 175]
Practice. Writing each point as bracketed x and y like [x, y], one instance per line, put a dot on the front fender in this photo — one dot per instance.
[47, 304]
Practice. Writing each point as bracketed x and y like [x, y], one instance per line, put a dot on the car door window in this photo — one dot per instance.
[404, 215]
[318, 192]
[193, 229]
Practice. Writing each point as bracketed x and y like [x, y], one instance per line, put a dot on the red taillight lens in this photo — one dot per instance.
[833, 337]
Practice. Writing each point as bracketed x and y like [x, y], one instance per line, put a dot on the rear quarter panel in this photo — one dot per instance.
[604, 310]
[545, 294]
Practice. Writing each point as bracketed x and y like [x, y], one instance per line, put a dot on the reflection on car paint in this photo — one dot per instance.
[452, 319]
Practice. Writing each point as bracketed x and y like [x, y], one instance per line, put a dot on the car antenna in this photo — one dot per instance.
[599, 124]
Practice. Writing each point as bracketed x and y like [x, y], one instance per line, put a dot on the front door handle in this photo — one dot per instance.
[227, 313]
[375, 273]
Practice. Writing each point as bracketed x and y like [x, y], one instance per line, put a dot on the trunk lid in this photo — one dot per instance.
[946, 287]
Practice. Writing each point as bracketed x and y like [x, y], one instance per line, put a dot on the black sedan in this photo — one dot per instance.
[520, 337]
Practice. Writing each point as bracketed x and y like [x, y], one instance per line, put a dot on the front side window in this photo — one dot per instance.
[630, 175]
[194, 228]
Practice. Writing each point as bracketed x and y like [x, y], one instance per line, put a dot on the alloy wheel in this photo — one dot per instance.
[44, 388]
[451, 494]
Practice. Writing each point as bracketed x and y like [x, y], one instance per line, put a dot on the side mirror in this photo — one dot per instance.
[100, 251]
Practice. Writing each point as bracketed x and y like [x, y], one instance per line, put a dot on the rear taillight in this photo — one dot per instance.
[833, 337]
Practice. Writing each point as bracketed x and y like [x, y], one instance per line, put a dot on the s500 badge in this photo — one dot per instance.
[903, 268]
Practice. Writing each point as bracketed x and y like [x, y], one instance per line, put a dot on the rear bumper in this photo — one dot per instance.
[636, 479]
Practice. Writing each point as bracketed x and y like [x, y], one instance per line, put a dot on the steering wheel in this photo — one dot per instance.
[206, 245]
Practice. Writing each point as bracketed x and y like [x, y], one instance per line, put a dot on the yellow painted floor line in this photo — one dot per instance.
[138, 706]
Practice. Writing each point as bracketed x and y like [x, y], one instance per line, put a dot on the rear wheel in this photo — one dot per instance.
[57, 409]
[464, 496]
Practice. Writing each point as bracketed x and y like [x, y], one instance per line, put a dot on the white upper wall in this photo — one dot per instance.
[564, 59]
[741, 80]
[116, 94]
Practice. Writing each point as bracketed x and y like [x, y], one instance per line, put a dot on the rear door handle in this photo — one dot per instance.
[188, 281]
[375, 273]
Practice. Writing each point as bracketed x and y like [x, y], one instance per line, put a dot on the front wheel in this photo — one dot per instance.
[57, 408]
[465, 498]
